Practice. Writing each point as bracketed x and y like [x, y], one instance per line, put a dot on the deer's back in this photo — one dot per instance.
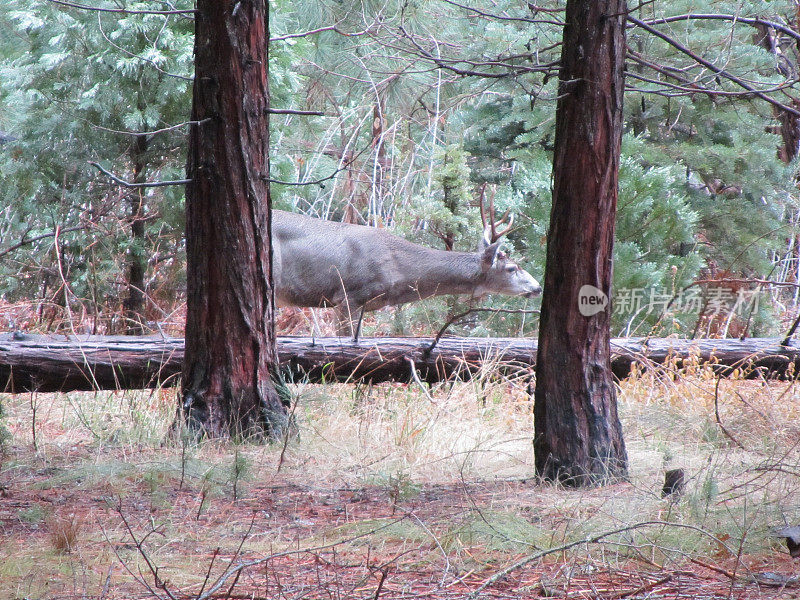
[315, 261]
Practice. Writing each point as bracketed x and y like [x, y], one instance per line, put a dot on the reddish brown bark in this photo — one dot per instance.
[578, 438]
[230, 341]
[133, 305]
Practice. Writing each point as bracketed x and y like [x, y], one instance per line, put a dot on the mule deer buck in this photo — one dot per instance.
[355, 268]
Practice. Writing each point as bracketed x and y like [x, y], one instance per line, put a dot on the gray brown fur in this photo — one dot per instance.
[325, 263]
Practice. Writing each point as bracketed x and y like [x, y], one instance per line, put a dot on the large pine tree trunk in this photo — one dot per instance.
[230, 339]
[578, 438]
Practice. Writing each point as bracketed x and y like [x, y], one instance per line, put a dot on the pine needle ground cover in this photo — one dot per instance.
[394, 492]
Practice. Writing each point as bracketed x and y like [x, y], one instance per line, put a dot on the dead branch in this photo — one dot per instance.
[128, 184]
[500, 575]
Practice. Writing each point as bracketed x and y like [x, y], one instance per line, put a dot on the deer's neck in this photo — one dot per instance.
[427, 272]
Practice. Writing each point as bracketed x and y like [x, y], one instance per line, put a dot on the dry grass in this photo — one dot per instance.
[390, 491]
[64, 532]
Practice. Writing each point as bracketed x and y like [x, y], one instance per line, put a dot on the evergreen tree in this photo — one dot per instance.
[411, 94]
[92, 86]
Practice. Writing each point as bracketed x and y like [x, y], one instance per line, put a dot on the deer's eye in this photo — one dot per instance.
[512, 268]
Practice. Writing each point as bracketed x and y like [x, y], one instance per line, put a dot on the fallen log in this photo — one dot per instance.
[66, 363]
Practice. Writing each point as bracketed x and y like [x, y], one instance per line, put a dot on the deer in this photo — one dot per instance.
[357, 268]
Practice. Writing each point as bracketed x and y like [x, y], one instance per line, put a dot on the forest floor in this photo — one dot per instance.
[390, 492]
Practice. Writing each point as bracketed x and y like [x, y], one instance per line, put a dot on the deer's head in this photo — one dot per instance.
[501, 275]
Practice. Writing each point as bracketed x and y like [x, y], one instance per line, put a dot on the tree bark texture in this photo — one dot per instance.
[230, 343]
[578, 437]
[51, 364]
[133, 306]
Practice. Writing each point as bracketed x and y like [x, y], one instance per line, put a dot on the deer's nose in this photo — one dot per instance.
[534, 292]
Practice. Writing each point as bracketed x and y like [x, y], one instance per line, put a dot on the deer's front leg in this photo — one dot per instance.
[348, 319]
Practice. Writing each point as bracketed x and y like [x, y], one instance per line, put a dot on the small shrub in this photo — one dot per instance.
[33, 515]
[400, 486]
[240, 471]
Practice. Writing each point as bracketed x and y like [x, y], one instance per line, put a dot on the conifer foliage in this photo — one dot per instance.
[419, 105]
[82, 86]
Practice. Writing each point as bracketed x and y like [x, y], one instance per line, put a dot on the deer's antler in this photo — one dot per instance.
[489, 222]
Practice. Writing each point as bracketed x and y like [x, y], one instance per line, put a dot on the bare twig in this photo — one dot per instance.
[510, 70]
[743, 280]
[727, 433]
[188, 11]
[384, 574]
[645, 587]
[64, 283]
[128, 184]
[149, 133]
[238, 553]
[335, 28]
[726, 17]
[208, 571]
[234, 570]
[287, 431]
[692, 88]
[107, 583]
[55, 232]
[455, 318]
[292, 111]
[344, 165]
[788, 339]
[497, 17]
[714, 568]
[412, 365]
[500, 575]
[139, 543]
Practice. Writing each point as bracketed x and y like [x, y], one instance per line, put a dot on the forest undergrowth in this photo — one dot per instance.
[392, 491]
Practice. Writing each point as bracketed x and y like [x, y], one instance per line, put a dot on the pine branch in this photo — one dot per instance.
[712, 67]
[497, 17]
[126, 11]
[723, 17]
[25, 242]
[128, 184]
[334, 28]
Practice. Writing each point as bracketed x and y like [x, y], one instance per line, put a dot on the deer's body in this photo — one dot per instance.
[353, 267]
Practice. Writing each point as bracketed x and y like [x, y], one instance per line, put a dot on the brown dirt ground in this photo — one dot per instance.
[328, 543]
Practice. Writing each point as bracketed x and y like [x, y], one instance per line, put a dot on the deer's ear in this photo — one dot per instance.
[489, 256]
[486, 239]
